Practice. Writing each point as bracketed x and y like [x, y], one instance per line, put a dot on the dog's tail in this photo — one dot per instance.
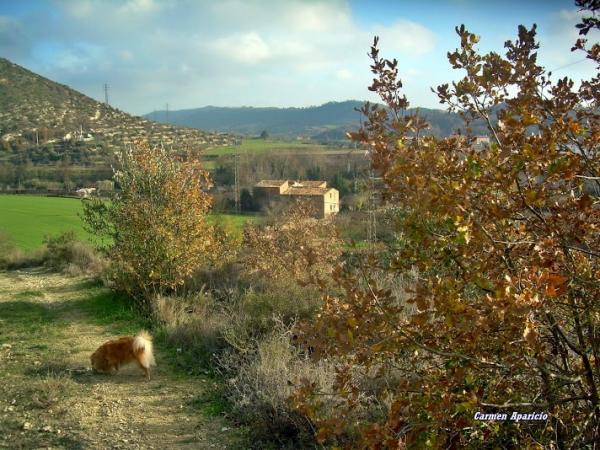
[142, 346]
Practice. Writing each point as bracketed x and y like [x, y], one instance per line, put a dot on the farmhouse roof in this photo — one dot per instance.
[270, 183]
[296, 187]
[307, 191]
[310, 183]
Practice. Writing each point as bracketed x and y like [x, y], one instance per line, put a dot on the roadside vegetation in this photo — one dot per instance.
[62, 252]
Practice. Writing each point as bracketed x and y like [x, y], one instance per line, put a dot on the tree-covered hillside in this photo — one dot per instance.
[47, 129]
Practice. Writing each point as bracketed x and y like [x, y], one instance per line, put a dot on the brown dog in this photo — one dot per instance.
[113, 354]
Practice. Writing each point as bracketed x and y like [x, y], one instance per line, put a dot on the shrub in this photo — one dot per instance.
[59, 250]
[193, 325]
[246, 335]
[262, 382]
[85, 260]
[13, 258]
[64, 252]
[295, 248]
[18, 259]
[155, 229]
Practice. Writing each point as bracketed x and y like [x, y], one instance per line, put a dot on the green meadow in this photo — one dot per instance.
[257, 146]
[27, 219]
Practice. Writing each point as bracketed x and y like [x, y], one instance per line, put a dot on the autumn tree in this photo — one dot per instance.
[154, 229]
[504, 313]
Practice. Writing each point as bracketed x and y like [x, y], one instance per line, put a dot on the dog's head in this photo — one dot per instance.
[98, 360]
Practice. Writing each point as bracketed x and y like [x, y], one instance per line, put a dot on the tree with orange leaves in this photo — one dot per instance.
[155, 229]
[503, 316]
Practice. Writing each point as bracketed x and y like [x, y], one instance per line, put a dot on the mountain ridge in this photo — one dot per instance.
[326, 122]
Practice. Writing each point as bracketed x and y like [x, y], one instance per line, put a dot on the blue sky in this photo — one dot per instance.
[192, 53]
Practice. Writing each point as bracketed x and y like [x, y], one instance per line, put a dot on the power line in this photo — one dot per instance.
[236, 176]
[568, 65]
[372, 210]
[106, 93]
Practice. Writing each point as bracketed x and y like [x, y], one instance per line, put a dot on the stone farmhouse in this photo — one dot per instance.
[325, 200]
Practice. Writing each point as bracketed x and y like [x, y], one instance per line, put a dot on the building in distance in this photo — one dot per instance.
[324, 200]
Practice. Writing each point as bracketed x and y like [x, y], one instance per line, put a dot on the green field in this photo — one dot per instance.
[256, 146]
[27, 219]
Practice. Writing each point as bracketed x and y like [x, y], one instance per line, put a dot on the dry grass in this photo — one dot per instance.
[192, 325]
[84, 260]
[262, 382]
[61, 253]
[19, 259]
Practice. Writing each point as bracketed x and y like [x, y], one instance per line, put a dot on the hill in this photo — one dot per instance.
[35, 111]
[327, 122]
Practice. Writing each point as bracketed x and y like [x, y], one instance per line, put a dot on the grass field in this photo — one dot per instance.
[27, 219]
[256, 146]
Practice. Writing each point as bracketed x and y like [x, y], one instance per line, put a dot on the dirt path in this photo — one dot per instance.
[49, 398]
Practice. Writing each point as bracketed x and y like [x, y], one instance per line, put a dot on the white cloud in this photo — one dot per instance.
[79, 9]
[343, 74]
[571, 15]
[317, 17]
[556, 40]
[139, 7]
[125, 55]
[247, 48]
[405, 36]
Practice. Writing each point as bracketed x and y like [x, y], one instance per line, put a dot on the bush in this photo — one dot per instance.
[64, 252]
[85, 260]
[156, 226]
[194, 326]
[257, 309]
[13, 258]
[61, 253]
[59, 250]
[246, 336]
[295, 248]
[18, 259]
[262, 382]
[222, 281]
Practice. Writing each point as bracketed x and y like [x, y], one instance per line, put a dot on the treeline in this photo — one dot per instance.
[61, 177]
[54, 166]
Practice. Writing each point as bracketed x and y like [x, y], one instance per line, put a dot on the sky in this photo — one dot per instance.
[193, 53]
